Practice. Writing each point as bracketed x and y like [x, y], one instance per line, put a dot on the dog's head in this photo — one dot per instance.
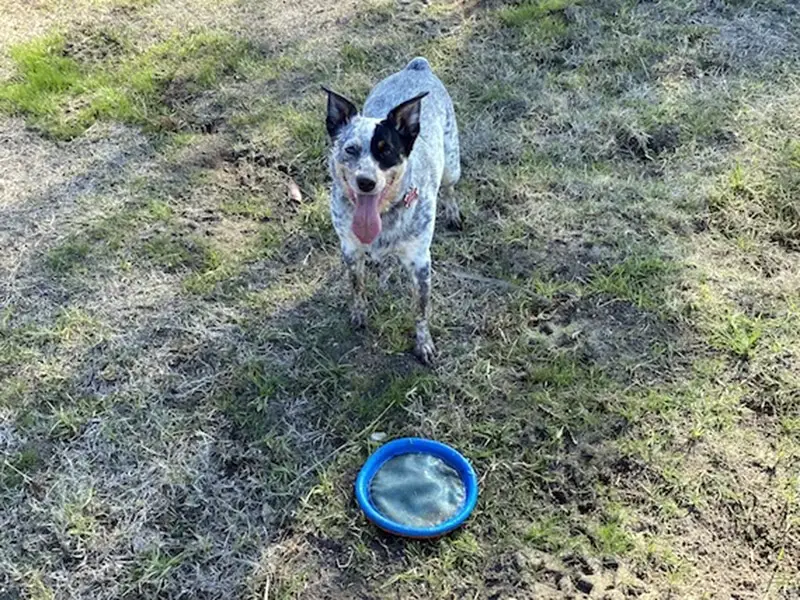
[370, 157]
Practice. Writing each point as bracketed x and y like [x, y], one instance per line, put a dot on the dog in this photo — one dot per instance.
[388, 164]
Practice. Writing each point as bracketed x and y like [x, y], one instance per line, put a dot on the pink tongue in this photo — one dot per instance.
[367, 219]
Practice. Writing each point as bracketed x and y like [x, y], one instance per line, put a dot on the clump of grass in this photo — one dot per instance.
[639, 279]
[173, 252]
[105, 237]
[353, 57]
[760, 198]
[550, 533]
[153, 568]
[293, 132]
[70, 256]
[64, 90]
[738, 334]
[532, 10]
[541, 21]
[249, 206]
[376, 397]
[561, 372]
[14, 472]
[612, 539]
[44, 76]
[247, 398]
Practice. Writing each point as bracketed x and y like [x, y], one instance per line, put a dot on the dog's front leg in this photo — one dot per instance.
[420, 271]
[355, 263]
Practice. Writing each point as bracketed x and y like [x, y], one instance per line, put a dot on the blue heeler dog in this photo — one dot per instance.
[388, 164]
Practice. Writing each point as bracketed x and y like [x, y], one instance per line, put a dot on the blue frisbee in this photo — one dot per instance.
[417, 488]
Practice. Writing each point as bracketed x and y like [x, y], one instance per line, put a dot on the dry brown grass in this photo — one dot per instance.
[183, 407]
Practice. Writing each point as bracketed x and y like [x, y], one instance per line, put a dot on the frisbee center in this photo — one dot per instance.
[417, 490]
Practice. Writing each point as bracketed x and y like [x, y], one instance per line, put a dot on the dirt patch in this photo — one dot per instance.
[92, 45]
[649, 145]
[617, 336]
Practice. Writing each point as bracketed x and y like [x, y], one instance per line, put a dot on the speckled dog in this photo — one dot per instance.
[388, 164]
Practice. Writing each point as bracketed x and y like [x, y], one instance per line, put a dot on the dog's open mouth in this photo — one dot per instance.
[367, 216]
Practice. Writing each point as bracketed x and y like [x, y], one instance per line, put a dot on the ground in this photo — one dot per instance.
[184, 406]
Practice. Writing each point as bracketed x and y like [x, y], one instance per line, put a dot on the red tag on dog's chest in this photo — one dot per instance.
[411, 197]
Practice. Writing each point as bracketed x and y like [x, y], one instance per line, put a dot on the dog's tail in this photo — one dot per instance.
[419, 64]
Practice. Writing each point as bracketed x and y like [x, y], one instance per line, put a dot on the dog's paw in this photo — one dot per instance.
[453, 221]
[425, 351]
[358, 318]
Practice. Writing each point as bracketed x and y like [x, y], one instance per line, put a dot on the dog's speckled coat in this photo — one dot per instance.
[406, 231]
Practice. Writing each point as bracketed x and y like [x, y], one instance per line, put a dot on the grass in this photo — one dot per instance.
[759, 199]
[69, 256]
[184, 406]
[540, 20]
[65, 85]
[639, 280]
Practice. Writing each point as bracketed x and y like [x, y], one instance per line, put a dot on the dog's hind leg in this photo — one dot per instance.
[452, 213]
[451, 173]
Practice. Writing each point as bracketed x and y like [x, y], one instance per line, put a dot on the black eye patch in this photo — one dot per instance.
[387, 146]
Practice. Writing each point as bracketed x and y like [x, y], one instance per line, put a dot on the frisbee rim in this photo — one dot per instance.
[401, 446]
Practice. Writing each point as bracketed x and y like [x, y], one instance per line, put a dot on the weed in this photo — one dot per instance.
[739, 334]
[611, 538]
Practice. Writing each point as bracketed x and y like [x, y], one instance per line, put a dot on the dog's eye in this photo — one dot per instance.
[353, 150]
[382, 147]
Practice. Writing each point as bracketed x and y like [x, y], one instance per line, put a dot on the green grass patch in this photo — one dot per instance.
[353, 57]
[376, 397]
[541, 21]
[759, 197]
[109, 236]
[739, 334]
[529, 11]
[248, 395]
[611, 537]
[16, 469]
[44, 76]
[174, 252]
[63, 90]
[251, 207]
[70, 256]
[640, 279]
[294, 132]
[218, 270]
[550, 533]
[153, 567]
[159, 210]
[560, 372]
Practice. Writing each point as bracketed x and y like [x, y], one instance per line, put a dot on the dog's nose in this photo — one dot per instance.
[365, 184]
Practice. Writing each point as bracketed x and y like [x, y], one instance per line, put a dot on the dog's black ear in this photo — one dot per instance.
[405, 119]
[340, 111]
